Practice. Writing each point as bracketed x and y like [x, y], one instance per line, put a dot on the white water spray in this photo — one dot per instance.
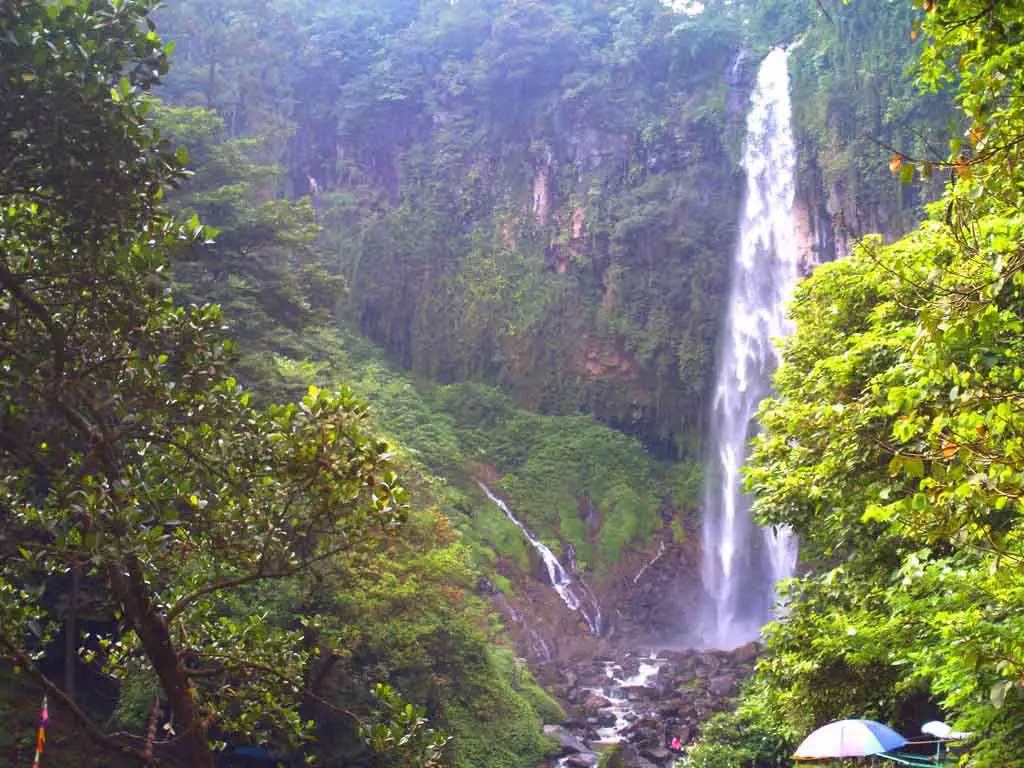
[742, 563]
[558, 576]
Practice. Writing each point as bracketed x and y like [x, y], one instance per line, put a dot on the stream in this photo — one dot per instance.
[616, 691]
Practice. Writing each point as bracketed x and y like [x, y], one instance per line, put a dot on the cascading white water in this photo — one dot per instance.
[559, 577]
[742, 563]
[615, 690]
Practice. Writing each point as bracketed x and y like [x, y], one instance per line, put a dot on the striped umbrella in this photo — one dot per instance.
[849, 738]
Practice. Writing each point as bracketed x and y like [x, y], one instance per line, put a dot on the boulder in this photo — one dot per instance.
[594, 702]
[582, 760]
[670, 708]
[657, 754]
[746, 653]
[632, 758]
[722, 686]
[568, 741]
[593, 679]
[602, 720]
[639, 692]
[683, 678]
[647, 731]
[707, 665]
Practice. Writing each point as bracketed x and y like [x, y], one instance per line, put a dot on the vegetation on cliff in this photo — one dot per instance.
[535, 195]
[267, 268]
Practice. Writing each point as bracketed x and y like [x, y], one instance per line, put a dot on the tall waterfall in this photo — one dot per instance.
[741, 561]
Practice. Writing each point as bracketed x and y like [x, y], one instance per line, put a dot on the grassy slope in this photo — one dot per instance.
[552, 467]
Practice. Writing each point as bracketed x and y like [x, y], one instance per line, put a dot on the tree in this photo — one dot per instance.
[237, 56]
[128, 454]
[266, 268]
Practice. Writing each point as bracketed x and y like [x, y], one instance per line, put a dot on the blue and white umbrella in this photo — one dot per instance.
[849, 738]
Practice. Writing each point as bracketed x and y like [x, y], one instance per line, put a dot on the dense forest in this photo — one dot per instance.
[295, 296]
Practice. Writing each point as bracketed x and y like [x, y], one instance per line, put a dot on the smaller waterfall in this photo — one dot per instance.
[596, 627]
[656, 558]
[559, 577]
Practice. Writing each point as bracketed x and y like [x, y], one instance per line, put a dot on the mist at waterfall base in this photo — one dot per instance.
[742, 562]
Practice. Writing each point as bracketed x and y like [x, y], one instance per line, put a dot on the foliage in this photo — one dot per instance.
[543, 197]
[548, 463]
[396, 611]
[63, 102]
[893, 448]
[496, 724]
[747, 737]
[406, 733]
[130, 457]
[854, 99]
[266, 268]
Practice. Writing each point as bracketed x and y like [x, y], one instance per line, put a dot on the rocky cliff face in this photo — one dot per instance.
[574, 253]
[853, 104]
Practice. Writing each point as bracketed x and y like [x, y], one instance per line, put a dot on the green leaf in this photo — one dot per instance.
[878, 513]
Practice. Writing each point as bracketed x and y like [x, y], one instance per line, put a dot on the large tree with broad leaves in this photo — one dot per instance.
[132, 465]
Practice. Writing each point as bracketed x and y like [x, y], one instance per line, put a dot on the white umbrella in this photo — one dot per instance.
[940, 730]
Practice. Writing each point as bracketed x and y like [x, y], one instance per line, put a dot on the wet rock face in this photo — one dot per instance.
[642, 701]
[645, 601]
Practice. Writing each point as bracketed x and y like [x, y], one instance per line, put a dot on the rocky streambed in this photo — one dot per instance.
[640, 701]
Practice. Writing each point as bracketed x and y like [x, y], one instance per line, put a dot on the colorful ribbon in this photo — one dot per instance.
[151, 733]
[44, 718]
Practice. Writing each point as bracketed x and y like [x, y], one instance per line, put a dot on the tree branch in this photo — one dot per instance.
[182, 603]
[13, 286]
[821, 7]
[238, 665]
[175, 610]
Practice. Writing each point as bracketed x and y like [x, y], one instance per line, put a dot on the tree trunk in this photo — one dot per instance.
[130, 588]
[71, 633]
[211, 79]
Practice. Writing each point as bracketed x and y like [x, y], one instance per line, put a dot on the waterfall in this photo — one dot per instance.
[558, 576]
[742, 563]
